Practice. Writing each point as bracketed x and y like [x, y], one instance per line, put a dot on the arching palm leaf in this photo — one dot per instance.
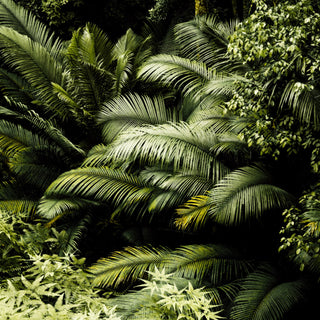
[244, 194]
[15, 87]
[17, 207]
[130, 51]
[19, 114]
[94, 184]
[176, 72]
[176, 145]
[303, 102]
[206, 39]
[38, 166]
[173, 188]
[126, 267]
[133, 110]
[14, 138]
[22, 21]
[89, 57]
[92, 46]
[193, 262]
[35, 64]
[193, 214]
[218, 264]
[264, 296]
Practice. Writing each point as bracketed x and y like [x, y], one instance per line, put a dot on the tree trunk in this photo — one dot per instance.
[201, 7]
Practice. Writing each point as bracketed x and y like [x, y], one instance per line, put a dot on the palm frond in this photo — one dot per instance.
[70, 237]
[44, 128]
[56, 207]
[15, 87]
[97, 156]
[38, 166]
[172, 189]
[178, 73]
[23, 21]
[11, 190]
[127, 266]
[303, 102]
[89, 57]
[176, 145]
[223, 84]
[211, 114]
[230, 148]
[193, 214]
[264, 296]
[19, 207]
[92, 46]
[206, 39]
[14, 138]
[130, 51]
[217, 264]
[94, 184]
[244, 194]
[189, 184]
[133, 110]
[35, 64]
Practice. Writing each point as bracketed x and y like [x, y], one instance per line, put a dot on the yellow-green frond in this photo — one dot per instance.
[126, 267]
[193, 214]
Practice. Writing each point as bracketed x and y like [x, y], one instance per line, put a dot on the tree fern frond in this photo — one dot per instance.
[126, 267]
[133, 110]
[244, 194]
[264, 296]
[193, 214]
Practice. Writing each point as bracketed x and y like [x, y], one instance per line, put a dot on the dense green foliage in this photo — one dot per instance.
[161, 178]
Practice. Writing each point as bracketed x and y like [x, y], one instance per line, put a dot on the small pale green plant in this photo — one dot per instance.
[166, 296]
[53, 288]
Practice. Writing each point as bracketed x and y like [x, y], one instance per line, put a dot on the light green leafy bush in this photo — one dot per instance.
[53, 288]
[301, 232]
[166, 296]
[280, 45]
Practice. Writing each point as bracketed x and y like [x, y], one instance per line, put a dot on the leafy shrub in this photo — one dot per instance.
[53, 288]
[166, 296]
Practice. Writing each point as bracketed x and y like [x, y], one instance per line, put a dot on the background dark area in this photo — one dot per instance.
[116, 16]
